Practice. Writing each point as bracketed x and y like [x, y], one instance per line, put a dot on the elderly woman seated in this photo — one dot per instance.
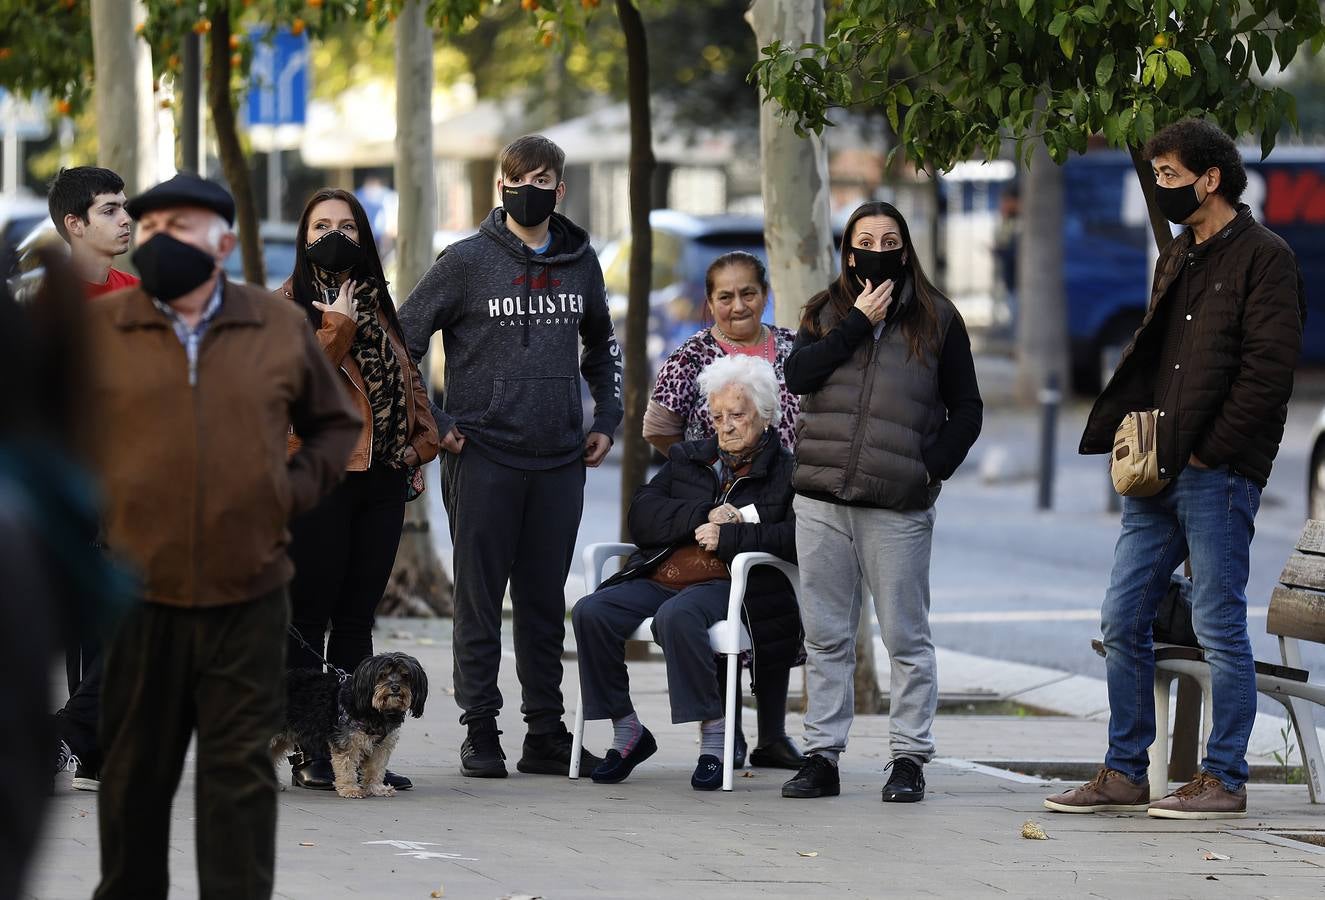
[713, 499]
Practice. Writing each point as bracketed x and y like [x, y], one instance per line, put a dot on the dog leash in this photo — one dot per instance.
[294, 633]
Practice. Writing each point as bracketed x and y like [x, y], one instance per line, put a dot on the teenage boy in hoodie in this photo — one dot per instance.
[514, 303]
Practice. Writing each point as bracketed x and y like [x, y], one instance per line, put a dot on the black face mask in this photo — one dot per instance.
[878, 266]
[334, 252]
[1178, 204]
[528, 204]
[171, 268]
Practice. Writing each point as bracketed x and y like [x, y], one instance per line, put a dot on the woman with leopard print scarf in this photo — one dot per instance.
[344, 549]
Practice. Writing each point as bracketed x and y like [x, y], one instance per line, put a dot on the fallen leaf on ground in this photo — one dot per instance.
[809, 853]
[440, 892]
[82, 814]
[426, 642]
[307, 844]
[401, 635]
[1210, 854]
[1032, 831]
[521, 897]
[747, 774]
[1211, 878]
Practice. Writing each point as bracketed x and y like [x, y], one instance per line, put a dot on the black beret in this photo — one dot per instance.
[185, 189]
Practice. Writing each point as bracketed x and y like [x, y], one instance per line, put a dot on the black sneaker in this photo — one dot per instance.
[480, 754]
[817, 778]
[63, 756]
[907, 783]
[399, 782]
[86, 778]
[549, 754]
[312, 772]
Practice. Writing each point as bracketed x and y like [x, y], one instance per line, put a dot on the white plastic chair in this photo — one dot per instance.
[728, 638]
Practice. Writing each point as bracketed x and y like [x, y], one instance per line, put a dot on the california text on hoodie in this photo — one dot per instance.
[512, 323]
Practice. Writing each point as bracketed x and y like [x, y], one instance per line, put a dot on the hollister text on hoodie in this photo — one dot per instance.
[519, 329]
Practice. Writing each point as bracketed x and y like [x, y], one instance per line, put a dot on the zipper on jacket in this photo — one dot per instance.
[370, 412]
[862, 421]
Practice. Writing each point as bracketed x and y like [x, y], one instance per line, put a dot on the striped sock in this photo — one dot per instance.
[710, 736]
[626, 733]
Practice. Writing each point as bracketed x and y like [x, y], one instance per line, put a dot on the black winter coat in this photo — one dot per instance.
[665, 513]
[1228, 398]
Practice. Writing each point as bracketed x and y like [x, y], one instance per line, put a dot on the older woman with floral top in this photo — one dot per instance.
[737, 288]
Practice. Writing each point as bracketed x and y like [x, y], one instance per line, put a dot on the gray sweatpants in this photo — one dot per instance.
[837, 546]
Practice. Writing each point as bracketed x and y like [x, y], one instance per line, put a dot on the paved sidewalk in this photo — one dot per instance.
[652, 836]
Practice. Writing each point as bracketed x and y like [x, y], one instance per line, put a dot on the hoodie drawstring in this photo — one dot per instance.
[528, 297]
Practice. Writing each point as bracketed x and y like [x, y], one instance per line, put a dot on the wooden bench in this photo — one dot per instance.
[1297, 613]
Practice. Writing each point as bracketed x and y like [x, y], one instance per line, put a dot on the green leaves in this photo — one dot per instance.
[965, 76]
[1104, 69]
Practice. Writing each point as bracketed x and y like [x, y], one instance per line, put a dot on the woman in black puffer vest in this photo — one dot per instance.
[713, 499]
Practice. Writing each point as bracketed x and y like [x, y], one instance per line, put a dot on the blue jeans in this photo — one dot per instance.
[1210, 515]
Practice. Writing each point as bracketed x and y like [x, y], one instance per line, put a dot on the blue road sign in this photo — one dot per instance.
[278, 78]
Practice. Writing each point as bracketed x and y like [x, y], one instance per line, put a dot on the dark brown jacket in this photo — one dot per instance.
[198, 488]
[336, 337]
[1228, 397]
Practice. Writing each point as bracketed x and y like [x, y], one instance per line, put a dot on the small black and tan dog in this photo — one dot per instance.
[357, 719]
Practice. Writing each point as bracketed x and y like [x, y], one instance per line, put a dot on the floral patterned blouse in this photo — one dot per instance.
[677, 390]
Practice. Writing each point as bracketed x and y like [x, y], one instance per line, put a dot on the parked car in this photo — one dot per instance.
[18, 217]
[277, 254]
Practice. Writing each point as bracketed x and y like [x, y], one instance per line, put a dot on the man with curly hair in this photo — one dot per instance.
[1214, 359]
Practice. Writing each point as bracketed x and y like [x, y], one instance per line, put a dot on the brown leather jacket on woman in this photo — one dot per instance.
[335, 337]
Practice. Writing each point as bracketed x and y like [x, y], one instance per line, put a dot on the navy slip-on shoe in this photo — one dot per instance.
[616, 768]
[708, 774]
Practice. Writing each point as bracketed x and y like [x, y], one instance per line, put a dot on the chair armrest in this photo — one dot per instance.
[595, 555]
[741, 565]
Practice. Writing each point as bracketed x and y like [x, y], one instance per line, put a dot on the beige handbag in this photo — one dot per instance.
[1134, 464]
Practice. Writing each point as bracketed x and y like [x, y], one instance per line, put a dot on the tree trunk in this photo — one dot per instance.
[1042, 343]
[482, 188]
[1159, 226]
[797, 233]
[126, 120]
[418, 583]
[233, 163]
[635, 453]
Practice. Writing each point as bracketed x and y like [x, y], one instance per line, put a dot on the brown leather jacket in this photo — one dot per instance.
[198, 489]
[335, 336]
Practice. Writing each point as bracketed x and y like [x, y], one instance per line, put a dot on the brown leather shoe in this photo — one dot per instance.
[1204, 797]
[1109, 791]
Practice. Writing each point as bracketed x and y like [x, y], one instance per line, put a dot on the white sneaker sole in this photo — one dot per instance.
[1185, 814]
[86, 784]
[1103, 807]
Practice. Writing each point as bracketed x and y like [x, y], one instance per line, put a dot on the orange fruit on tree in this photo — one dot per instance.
[165, 104]
[590, 4]
[234, 42]
[62, 107]
[298, 26]
[236, 60]
[5, 53]
[173, 61]
[529, 5]
[547, 39]
[1161, 40]
[140, 28]
[202, 26]
[315, 4]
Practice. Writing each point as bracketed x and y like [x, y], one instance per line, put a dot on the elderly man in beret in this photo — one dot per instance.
[196, 382]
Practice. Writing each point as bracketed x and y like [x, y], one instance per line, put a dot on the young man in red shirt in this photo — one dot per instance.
[87, 207]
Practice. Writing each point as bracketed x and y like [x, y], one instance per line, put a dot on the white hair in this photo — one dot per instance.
[751, 373]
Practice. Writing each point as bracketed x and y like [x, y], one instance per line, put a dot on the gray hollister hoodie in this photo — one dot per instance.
[512, 322]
